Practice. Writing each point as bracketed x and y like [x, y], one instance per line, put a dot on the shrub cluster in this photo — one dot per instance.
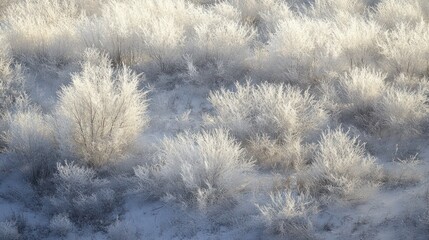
[199, 170]
[341, 167]
[275, 117]
[289, 214]
[80, 197]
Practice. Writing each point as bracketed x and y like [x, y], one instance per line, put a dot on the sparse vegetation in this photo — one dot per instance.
[208, 119]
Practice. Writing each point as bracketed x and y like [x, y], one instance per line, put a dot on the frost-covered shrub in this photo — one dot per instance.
[143, 32]
[101, 113]
[284, 154]
[402, 111]
[329, 8]
[160, 35]
[288, 214]
[60, 224]
[410, 82]
[273, 120]
[43, 30]
[297, 51]
[256, 12]
[223, 44]
[226, 10]
[272, 109]
[393, 12]
[122, 47]
[354, 39]
[82, 196]
[12, 87]
[164, 43]
[199, 170]
[273, 15]
[362, 88]
[221, 40]
[136, 40]
[252, 12]
[341, 167]
[30, 136]
[11, 84]
[406, 48]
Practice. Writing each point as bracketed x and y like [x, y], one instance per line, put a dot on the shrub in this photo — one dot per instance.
[393, 12]
[31, 137]
[82, 196]
[273, 121]
[362, 88]
[204, 170]
[289, 214]
[43, 30]
[406, 48]
[283, 154]
[256, 11]
[221, 43]
[354, 40]
[164, 42]
[143, 32]
[11, 84]
[158, 35]
[101, 113]
[227, 10]
[341, 167]
[297, 51]
[331, 8]
[272, 109]
[215, 40]
[410, 82]
[12, 89]
[401, 111]
[273, 14]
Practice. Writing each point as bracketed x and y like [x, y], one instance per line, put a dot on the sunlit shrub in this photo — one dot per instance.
[341, 167]
[101, 113]
[199, 170]
[288, 214]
